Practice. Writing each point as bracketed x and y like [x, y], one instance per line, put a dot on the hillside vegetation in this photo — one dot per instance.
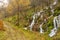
[19, 15]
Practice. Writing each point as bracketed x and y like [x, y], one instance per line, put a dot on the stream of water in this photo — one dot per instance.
[34, 17]
[41, 30]
[54, 30]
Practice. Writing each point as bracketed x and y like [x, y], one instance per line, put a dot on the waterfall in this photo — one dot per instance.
[34, 17]
[41, 30]
[55, 21]
[54, 30]
[39, 13]
[32, 24]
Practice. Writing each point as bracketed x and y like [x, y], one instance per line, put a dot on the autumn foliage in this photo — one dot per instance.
[1, 25]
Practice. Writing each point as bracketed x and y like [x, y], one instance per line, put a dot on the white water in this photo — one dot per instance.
[41, 30]
[56, 22]
[52, 11]
[32, 24]
[4, 3]
[54, 30]
[34, 17]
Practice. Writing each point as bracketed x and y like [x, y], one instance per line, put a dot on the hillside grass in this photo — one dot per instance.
[31, 35]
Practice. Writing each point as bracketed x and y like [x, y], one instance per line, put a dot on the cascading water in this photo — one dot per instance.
[32, 24]
[41, 30]
[34, 17]
[52, 11]
[56, 25]
[55, 22]
[54, 30]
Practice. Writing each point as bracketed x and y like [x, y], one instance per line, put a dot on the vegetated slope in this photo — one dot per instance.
[25, 20]
[25, 17]
[13, 33]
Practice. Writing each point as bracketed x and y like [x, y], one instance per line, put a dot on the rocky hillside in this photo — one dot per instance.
[36, 16]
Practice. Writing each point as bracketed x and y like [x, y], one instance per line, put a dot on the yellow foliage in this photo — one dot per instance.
[14, 5]
[24, 2]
